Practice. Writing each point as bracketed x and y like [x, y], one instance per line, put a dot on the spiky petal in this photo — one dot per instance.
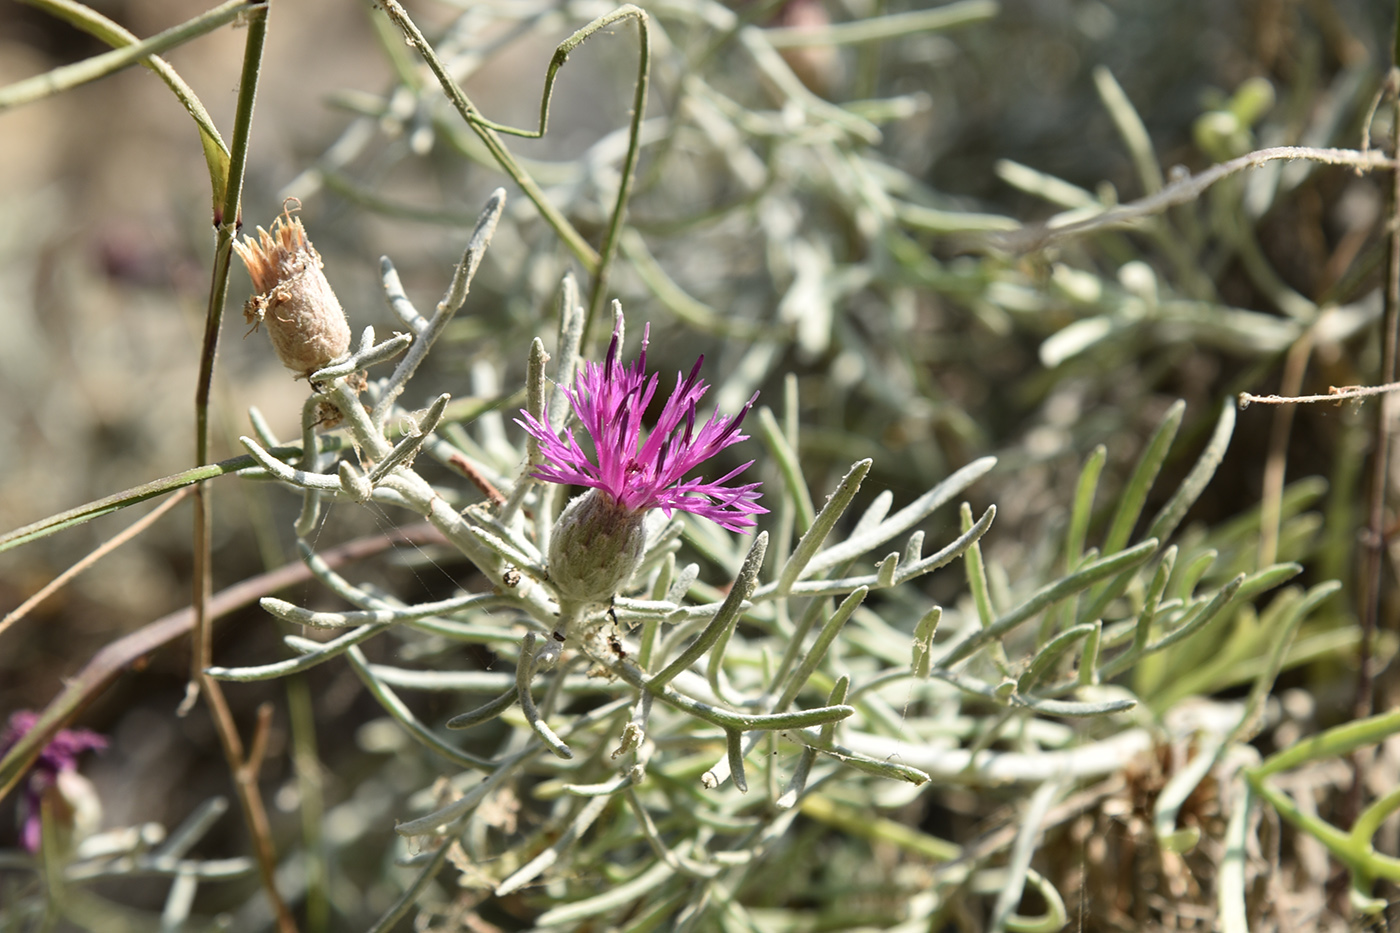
[650, 472]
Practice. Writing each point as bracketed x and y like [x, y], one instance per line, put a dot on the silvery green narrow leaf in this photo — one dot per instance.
[1049, 595]
[902, 521]
[191, 830]
[316, 653]
[661, 583]
[1196, 481]
[974, 686]
[1021, 851]
[298, 615]
[885, 769]
[658, 845]
[1075, 708]
[785, 458]
[1046, 657]
[932, 220]
[734, 743]
[724, 618]
[1103, 596]
[484, 713]
[1131, 129]
[819, 648]
[843, 585]
[178, 901]
[660, 547]
[1335, 742]
[1151, 604]
[1048, 187]
[816, 609]
[262, 428]
[1193, 573]
[806, 306]
[811, 541]
[1239, 330]
[1083, 508]
[501, 771]
[1134, 494]
[1089, 658]
[1202, 616]
[874, 514]
[354, 483]
[438, 681]
[1281, 639]
[683, 582]
[1053, 920]
[1077, 337]
[798, 783]
[1076, 533]
[976, 571]
[924, 631]
[571, 320]
[398, 300]
[413, 891]
[914, 548]
[951, 551]
[288, 474]
[434, 822]
[614, 897]
[717, 650]
[1181, 785]
[589, 812]
[1231, 892]
[534, 404]
[526, 562]
[407, 448]
[396, 708]
[1297, 497]
[333, 581]
[885, 571]
[462, 275]
[369, 354]
[602, 789]
[524, 673]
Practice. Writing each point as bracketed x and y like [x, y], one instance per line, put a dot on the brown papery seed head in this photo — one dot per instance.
[303, 317]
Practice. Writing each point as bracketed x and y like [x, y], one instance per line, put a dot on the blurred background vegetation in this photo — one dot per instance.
[857, 248]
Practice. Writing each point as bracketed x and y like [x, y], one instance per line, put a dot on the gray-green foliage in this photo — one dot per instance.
[692, 727]
[726, 744]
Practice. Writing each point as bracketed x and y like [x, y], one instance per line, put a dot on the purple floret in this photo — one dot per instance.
[610, 399]
[60, 755]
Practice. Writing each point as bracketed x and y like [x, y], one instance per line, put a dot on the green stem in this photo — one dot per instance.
[629, 164]
[99, 66]
[880, 28]
[583, 252]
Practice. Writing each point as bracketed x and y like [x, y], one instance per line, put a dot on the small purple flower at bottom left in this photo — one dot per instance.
[59, 757]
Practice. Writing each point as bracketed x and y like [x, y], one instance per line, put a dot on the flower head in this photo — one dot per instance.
[59, 758]
[302, 314]
[639, 473]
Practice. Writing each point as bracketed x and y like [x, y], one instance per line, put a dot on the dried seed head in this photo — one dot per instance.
[303, 317]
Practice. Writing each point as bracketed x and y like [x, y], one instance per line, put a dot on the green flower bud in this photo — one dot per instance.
[596, 546]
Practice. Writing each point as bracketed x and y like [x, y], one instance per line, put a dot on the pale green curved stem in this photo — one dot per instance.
[216, 153]
[61, 79]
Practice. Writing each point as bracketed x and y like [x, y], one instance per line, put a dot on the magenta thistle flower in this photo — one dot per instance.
[647, 473]
[59, 756]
